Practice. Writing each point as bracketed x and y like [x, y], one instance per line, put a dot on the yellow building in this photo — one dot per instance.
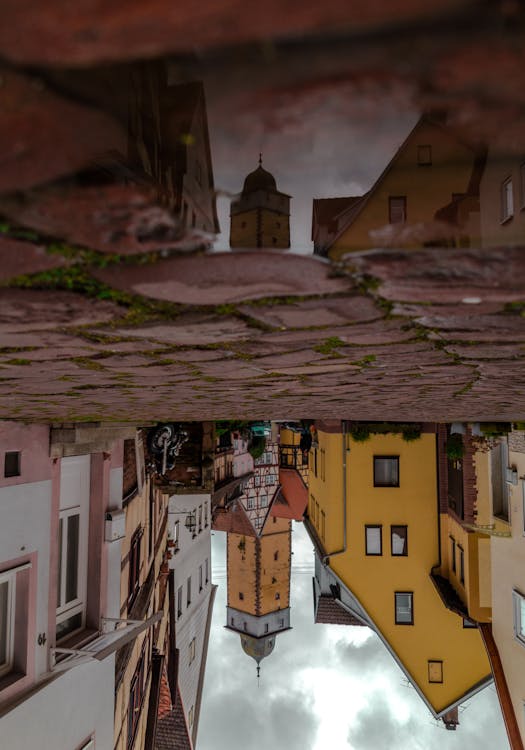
[260, 217]
[143, 596]
[428, 194]
[374, 519]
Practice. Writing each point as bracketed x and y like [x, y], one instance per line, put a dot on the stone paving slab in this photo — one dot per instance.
[21, 309]
[18, 257]
[206, 330]
[445, 275]
[323, 312]
[225, 278]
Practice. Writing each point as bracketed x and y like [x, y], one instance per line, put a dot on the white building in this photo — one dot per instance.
[189, 533]
[59, 580]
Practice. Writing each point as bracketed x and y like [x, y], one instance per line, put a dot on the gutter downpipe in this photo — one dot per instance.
[326, 558]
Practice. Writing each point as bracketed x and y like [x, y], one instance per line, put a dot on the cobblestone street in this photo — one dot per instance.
[432, 335]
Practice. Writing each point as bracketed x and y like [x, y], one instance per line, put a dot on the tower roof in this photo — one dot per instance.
[257, 648]
[259, 179]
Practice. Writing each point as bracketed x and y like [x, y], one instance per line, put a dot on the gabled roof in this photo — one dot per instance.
[326, 210]
[292, 498]
[232, 520]
[329, 612]
[347, 218]
[172, 731]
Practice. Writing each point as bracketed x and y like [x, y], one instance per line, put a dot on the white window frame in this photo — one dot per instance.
[9, 577]
[401, 611]
[506, 200]
[66, 610]
[75, 477]
[519, 622]
[250, 503]
[270, 479]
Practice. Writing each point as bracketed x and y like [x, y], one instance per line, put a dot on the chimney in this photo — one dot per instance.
[450, 719]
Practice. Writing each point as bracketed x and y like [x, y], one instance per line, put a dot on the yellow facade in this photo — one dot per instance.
[426, 187]
[260, 227]
[259, 569]
[290, 453]
[437, 640]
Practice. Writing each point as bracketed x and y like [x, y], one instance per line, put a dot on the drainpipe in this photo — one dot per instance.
[326, 558]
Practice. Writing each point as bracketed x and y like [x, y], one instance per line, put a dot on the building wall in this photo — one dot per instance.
[436, 633]
[508, 574]
[325, 489]
[65, 713]
[500, 167]
[427, 188]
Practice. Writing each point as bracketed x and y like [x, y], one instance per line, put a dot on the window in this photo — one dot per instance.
[461, 564]
[281, 622]
[205, 515]
[134, 567]
[323, 525]
[277, 595]
[373, 540]
[179, 602]
[519, 616]
[453, 553]
[397, 209]
[469, 624]
[258, 523]
[270, 478]
[404, 607]
[206, 571]
[70, 607]
[176, 536]
[399, 541]
[257, 480]
[263, 500]
[386, 471]
[200, 518]
[435, 671]
[200, 577]
[7, 620]
[241, 596]
[12, 464]
[191, 650]
[276, 555]
[507, 200]
[266, 627]
[188, 592]
[251, 503]
[136, 695]
[424, 155]
[190, 717]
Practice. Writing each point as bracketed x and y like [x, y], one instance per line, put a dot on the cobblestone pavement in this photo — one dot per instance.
[426, 335]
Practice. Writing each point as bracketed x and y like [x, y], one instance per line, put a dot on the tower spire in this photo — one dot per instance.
[258, 675]
[260, 159]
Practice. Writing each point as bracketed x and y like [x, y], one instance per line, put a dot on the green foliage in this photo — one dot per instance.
[410, 432]
[257, 447]
[455, 448]
[495, 429]
[329, 345]
[360, 433]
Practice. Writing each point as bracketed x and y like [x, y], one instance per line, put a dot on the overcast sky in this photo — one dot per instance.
[325, 687]
[331, 141]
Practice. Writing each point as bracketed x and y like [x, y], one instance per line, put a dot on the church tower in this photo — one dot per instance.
[258, 569]
[260, 217]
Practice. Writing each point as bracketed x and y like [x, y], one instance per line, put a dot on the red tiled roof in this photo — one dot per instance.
[164, 697]
[326, 209]
[329, 612]
[292, 499]
[232, 520]
[172, 731]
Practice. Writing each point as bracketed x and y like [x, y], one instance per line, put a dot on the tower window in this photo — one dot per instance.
[241, 595]
[274, 240]
[12, 464]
